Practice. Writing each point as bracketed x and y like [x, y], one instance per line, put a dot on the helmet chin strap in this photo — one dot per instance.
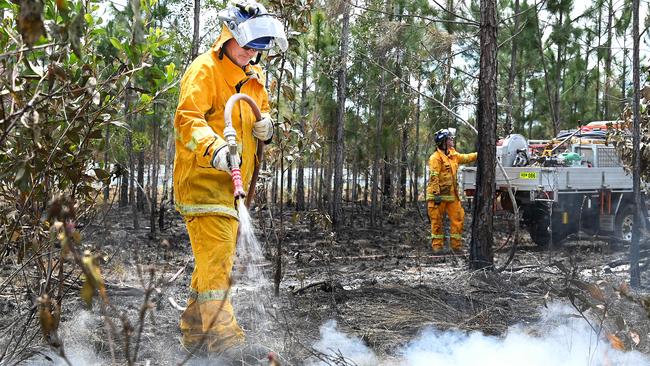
[257, 59]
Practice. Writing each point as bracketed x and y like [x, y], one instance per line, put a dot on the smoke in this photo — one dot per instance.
[78, 335]
[560, 338]
[336, 346]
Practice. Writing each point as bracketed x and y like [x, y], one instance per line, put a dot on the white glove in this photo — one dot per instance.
[263, 129]
[220, 159]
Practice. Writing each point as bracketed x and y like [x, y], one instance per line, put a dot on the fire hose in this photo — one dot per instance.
[230, 135]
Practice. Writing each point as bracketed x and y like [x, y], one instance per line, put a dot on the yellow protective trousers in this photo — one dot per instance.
[456, 216]
[209, 320]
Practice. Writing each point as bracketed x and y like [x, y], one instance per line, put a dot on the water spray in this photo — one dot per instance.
[234, 160]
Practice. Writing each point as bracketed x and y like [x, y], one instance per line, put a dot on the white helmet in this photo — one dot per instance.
[253, 27]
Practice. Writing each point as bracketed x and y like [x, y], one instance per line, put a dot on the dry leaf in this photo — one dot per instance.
[87, 293]
[635, 338]
[616, 342]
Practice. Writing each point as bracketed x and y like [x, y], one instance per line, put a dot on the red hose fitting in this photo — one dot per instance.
[235, 173]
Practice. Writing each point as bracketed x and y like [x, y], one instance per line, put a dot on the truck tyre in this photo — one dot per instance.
[537, 222]
[624, 222]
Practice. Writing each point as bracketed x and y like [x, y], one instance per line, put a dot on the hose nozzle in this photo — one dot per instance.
[235, 173]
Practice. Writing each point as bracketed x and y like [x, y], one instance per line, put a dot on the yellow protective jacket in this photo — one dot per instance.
[199, 189]
[442, 177]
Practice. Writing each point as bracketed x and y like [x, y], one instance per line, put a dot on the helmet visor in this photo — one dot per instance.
[261, 27]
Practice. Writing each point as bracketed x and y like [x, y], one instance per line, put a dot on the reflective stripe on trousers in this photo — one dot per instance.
[456, 214]
[209, 319]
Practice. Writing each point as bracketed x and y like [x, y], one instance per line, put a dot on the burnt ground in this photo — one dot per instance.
[381, 285]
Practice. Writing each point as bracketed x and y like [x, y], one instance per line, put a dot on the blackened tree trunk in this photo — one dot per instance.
[337, 210]
[507, 128]
[608, 61]
[129, 149]
[300, 172]
[481, 244]
[195, 35]
[167, 195]
[449, 85]
[124, 187]
[140, 183]
[375, 207]
[155, 152]
[416, 151]
[639, 217]
[107, 164]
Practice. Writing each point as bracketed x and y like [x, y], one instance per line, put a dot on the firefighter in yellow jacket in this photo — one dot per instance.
[203, 188]
[442, 191]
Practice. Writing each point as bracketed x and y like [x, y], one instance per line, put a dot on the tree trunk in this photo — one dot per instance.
[402, 166]
[608, 61]
[507, 128]
[600, 15]
[155, 152]
[337, 209]
[482, 223]
[449, 86]
[140, 186]
[547, 83]
[558, 84]
[107, 164]
[166, 194]
[416, 152]
[300, 173]
[129, 149]
[195, 36]
[124, 187]
[623, 84]
[639, 217]
[375, 208]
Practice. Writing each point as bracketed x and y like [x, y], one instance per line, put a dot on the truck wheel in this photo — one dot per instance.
[539, 234]
[624, 223]
[536, 220]
[537, 223]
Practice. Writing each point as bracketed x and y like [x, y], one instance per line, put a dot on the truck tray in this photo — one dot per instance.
[554, 179]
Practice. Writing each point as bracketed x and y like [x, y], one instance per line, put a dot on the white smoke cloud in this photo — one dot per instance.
[339, 346]
[560, 338]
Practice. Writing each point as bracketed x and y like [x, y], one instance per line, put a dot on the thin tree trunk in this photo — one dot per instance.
[386, 181]
[507, 128]
[375, 208]
[129, 149]
[600, 11]
[558, 83]
[623, 84]
[124, 187]
[416, 152]
[449, 87]
[481, 246]
[639, 217]
[608, 61]
[140, 185]
[154, 176]
[166, 194]
[337, 209]
[195, 34]
[300, 173]
[107, 165]
[547, 83]
[402, 166]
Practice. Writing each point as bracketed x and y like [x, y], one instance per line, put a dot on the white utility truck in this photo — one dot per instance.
[577, 183]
